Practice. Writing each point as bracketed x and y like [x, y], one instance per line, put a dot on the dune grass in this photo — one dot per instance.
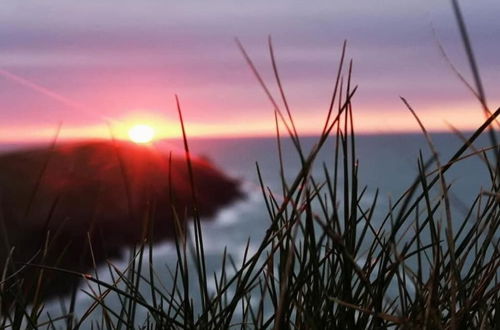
[326, 260]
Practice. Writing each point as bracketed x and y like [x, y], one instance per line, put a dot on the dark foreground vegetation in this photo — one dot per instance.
[328, 260]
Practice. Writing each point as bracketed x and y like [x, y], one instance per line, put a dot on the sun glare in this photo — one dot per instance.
[141, 133]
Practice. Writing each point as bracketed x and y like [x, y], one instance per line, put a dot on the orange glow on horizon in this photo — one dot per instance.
[465, 117]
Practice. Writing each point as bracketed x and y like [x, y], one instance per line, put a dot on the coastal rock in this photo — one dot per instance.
[58, 202]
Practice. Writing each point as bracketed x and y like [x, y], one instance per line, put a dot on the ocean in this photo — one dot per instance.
[386, 162]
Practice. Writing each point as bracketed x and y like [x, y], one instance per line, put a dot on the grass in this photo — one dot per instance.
[326, 260]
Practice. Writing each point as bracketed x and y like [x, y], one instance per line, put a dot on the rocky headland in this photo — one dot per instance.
[58, 204]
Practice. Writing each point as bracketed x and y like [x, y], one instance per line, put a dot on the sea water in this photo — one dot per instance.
[386, 162]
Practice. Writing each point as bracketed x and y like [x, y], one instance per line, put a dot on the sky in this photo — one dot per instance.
[101, 66]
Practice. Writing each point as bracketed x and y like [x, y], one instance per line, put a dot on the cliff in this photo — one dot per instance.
[56, 202]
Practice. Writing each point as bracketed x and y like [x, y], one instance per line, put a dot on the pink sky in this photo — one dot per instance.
[91, 63]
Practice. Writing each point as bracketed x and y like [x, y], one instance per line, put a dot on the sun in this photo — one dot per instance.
[141, 133]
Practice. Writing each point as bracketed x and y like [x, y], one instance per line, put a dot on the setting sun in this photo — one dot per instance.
[141, 133]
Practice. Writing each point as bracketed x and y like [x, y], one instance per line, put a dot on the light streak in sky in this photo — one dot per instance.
[51, 94]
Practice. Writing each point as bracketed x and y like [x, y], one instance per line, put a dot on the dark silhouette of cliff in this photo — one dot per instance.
[57, 202]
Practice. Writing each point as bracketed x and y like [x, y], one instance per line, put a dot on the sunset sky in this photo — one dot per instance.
[90, 63]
